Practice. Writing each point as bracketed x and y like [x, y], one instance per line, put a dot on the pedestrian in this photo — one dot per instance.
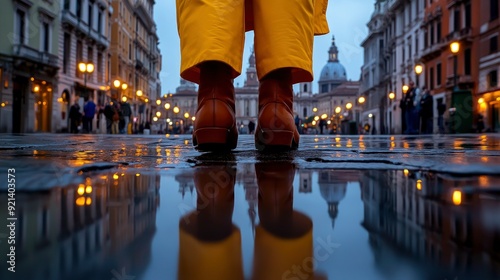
[409, 105]
[426, 111]
[127, 114]
[480, 123]
[88, 115]
[75, 116]
[441, 108]
[108, 113]
[251, 127]
[115, 125]
[212, 35]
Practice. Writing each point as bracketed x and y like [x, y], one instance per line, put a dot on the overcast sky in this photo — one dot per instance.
[347, 20]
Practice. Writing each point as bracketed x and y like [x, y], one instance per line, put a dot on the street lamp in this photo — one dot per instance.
[86, 68]
[158, 102]
[361, 100]
[348, 106]
[176, 110]
[167, 106]
[338, 110]
[139, 93]
[392, 95]
[315, 109]
[455, 48]
[418, 70]
[186, 115]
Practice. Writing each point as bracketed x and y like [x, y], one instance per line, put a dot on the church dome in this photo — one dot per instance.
[333, 70]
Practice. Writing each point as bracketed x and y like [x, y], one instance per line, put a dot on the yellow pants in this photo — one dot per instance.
[284, 31]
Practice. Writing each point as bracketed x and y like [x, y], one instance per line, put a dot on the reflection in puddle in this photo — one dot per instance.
[86, 231]
[261, 221]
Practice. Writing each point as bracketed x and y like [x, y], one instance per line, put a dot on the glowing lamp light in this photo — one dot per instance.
[313, 123]
[324, 116]
[168, 120]
[117, 83]
[124, 86]
[158, 114]
[455, 47]
[81, 189]
[348, 106]
[480, 100]
[406, 172]
[167, 106]
[176, 109]
[80, 201]
[392, 95]
[370, 115]
[115, 176]
[146, 100]
[82, 67]
[329, 122]
[139, 93]
[193, 119]
[405, 88]
[36, 88]
[137, 174]
[418, 69]
[155, 119]
[88, 201]
[315, 109]
[186, 115]
[88, 189]
[338, 110]
[158, 102]
[457, 197]
[419, 185]
[361, 99]
[316, 118]
[124, 99]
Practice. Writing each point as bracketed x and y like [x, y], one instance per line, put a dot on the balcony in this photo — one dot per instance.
[70, 20]
[35, 55]
[459, 35]
[463, 81]
[433, 51]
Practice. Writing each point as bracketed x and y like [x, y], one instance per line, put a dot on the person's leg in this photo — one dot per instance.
[284, 34]
[210, 31]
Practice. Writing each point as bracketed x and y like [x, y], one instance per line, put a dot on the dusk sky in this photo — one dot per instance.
[347, 20]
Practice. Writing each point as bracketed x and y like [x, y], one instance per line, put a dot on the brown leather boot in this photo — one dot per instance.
[276, 126]
[215, 123]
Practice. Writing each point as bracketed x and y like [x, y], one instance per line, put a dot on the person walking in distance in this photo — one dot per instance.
[441, 108]
[89, 113]
[212, 34]
[427, 112]
[75, 117]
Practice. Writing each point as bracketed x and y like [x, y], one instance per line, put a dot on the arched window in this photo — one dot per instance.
[305, 112]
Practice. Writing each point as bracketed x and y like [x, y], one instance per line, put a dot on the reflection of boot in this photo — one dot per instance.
[209, 243]
[283, 239]
[215, 123]
[276, 125]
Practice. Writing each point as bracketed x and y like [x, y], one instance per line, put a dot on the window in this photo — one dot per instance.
[324, 88]
[79, 8]
[79, 55]
[493, 79]
[456, 20]
[438, 31]
[493, 44]
[431, 77]
[67, 52]
[467, 61]
[493, 9]
[426, 38]
[99, 22]
[99, 63]
[66, 4]
[432, 35]
[90, 15]
[305, 87]
[468, 15]
[21, 26]
[45, 34]
[90, 55]
[129, 50]
[438, 74]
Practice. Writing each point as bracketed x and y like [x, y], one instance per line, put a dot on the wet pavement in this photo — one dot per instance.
[150, 207]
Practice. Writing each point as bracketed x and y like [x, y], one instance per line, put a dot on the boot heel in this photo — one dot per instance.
[214, 138]
[275, 138]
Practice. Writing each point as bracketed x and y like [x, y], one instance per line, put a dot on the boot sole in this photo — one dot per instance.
[214, 139]
[275, 140]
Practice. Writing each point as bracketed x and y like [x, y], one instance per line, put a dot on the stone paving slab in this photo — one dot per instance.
[43, 161]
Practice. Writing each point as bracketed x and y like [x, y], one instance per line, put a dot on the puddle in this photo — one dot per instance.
[259, 221]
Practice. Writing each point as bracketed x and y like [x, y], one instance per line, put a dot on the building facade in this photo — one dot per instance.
[392, 50]
[83, 38]
[447, 22]
[135, 57]
[488, 93]
[28, 65]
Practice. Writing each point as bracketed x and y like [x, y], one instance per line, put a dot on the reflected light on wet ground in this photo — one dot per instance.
[260, 221]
